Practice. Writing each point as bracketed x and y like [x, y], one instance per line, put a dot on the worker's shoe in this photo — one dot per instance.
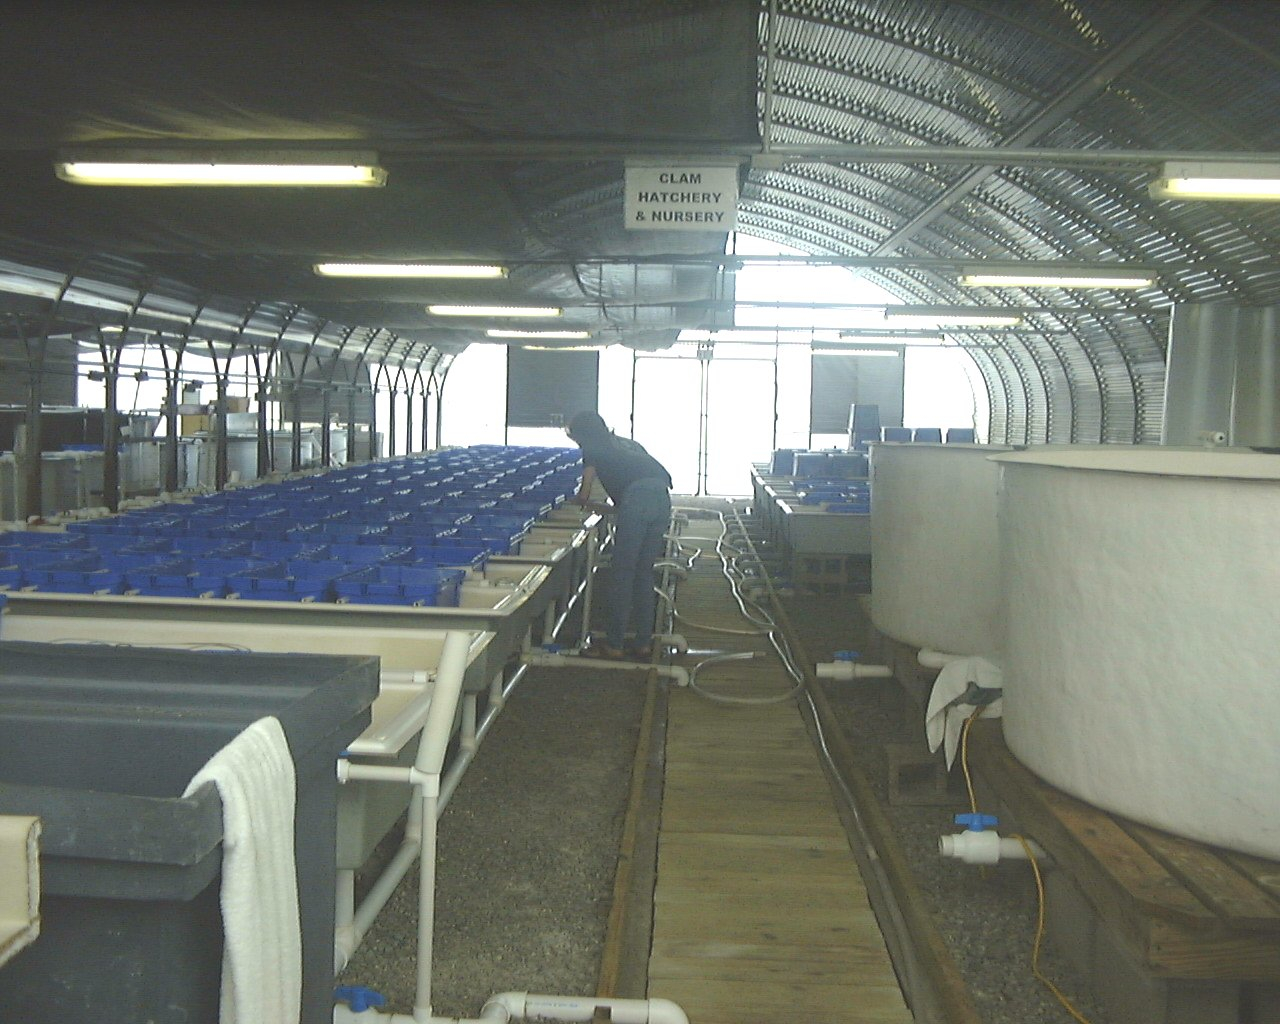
[605, 651]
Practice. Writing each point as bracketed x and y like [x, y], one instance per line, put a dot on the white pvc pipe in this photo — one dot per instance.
[986, 847]
[444, 702]
[506, 1007]
[592, 542]
[846, 671]
[571, 659]
[526, 1006]
[936, 659]
[425, 773]
[676, 641]
[426, 901]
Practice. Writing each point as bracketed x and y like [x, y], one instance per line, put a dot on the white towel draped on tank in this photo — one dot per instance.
[948, 706]
[262, 954]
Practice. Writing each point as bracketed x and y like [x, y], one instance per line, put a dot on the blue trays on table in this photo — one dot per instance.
[291, 581]
[188, 577]
[82, 574]
[356, 555]
[859, 508]
[400, 584]
[35, 540]
[456, 556]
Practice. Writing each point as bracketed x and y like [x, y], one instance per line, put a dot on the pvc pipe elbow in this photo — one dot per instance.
[847, 671]
[677, 641]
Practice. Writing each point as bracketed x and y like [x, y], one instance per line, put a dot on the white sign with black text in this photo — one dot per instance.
[672, 197]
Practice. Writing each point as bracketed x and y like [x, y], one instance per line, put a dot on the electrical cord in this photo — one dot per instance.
[1036, 971]
[767, 627]
[720, 698]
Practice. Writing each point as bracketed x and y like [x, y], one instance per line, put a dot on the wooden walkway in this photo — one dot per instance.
[760, 914]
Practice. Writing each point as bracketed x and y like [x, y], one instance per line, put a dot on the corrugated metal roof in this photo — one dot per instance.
[506, 127]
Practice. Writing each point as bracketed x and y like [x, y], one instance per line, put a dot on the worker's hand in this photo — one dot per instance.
[593, 506]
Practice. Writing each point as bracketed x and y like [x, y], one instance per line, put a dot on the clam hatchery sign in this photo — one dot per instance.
[681, 198]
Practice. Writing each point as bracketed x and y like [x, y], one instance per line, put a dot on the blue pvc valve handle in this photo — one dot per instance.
[977, 822]
[358, 997]
[553, 648]
[846, 655]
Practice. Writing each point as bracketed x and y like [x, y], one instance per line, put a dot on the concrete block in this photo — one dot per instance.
[1132, 994]
[1260, 1003]
[1071, 925]
[916, 776]
[1128, 992]
[1203, 1002]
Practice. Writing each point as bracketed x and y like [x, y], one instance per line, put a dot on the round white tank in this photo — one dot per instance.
[1142, 614]
[934, 557]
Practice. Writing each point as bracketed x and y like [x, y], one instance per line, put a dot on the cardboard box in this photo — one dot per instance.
[196, 424]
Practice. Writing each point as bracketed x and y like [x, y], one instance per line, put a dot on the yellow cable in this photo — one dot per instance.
[1035, 948]
[964, 757]
[1035, 868]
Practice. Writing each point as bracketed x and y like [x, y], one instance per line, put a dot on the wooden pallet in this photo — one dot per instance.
[1186, 910]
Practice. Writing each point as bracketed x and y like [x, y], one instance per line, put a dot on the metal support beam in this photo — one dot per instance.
[1166, 24]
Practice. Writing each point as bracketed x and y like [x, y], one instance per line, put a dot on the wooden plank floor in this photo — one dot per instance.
[760, 914]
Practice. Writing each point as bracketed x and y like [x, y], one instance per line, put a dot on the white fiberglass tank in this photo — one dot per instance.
[934, 556]
[1142, 613]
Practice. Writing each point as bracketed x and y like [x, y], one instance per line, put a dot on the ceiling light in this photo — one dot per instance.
[881, 338]
[960, 316]
[1206, 180]
[497, 311]
[208, 167]
[408, 270]
[494, 332]
[1057, 279]
[856, 350]
[563, 348]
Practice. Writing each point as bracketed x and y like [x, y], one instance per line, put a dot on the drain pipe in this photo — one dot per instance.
[506, 1007]
[420, 830]
[936, 659]
[846, 668]
[593, 541]
[573, 659]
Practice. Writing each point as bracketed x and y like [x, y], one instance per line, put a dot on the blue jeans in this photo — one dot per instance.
[644, 516]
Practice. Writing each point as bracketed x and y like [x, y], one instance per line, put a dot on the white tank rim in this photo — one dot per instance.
[1153, 460]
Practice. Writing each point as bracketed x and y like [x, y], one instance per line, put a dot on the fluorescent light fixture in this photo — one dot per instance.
[495, 332]
[408, 270]
[1196, 179]
[1117, 278]
[563, 348]
[214, 167]
[881, 338]
[856, 350]
[495, 311]
[956, 316]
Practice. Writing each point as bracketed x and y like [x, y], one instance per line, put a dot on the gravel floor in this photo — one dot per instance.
[987, 918]
[528, 848]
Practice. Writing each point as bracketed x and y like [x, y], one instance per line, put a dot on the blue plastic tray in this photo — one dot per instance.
[400, 584]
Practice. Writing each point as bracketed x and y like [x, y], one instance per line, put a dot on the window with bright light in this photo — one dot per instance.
[759, 403]
[473, 408]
